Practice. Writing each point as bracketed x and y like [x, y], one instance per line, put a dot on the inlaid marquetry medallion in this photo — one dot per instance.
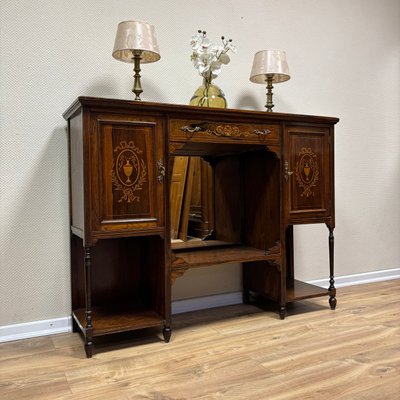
[307, 171]
[218, 130]
[128, 172]
[228, 131]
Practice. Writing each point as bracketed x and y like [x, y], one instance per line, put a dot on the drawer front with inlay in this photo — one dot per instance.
[222, 132]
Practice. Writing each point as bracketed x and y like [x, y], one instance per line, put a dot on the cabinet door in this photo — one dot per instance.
[127, 174]
[308, 174]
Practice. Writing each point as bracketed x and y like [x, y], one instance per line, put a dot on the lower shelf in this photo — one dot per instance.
[115, 319]
[203, 256]
[298, 290]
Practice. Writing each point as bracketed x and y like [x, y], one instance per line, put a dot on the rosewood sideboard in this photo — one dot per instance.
[270, 171]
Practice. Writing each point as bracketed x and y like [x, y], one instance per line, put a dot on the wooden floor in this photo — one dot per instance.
[235, 352]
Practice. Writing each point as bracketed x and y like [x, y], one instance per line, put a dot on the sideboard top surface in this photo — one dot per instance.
[180, 109]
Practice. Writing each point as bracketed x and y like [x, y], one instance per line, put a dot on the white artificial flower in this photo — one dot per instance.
[224, 58]
[208, 57]
[231, 47]
[196, 41]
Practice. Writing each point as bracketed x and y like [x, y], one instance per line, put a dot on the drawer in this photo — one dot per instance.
[222, 132]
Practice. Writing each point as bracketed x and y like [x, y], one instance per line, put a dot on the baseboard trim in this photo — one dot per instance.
[360, 279]
[28, 330]
[63, 325]
[201, 303]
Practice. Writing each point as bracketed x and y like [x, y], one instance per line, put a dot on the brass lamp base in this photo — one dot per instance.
[269, 104]
[137, 87]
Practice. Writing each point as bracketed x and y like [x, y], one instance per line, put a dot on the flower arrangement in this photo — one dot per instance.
[208, 57]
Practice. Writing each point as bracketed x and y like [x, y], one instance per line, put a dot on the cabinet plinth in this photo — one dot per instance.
[264, 172]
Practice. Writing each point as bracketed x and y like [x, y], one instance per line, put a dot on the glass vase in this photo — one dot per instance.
[208, 95]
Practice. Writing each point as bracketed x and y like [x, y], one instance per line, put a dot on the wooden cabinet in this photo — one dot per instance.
[308, 171]
[267, 172]
[307, 182]
[127, 175]
[119, 260]
[308, 198]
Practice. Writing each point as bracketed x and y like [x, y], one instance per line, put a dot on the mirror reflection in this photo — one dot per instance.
[191, 199]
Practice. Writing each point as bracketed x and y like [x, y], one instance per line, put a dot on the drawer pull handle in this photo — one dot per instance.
[262, 133]
[161, 171]
[190, 129]
[287, 173]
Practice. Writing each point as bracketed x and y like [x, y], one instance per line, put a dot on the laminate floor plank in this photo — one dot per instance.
[237, 352]
[32, 387]
[24, 348]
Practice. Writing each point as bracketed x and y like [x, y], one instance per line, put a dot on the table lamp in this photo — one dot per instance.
[269, 66]
[136, 43]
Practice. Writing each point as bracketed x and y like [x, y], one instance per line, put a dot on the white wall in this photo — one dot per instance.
[344, 57]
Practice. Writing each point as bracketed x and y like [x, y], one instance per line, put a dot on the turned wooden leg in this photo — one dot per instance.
[88, 301]
[332, 302]
[332, 289]
[167, 333]
[88, 348]
[282, 312]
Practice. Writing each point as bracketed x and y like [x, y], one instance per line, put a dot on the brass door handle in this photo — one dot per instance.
[161, 171]
[287, 173]
[190, 129]
[265, 132]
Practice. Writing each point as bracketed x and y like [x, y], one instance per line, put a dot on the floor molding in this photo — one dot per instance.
[28, 330]
[64, 324]
[359, 279]
[201, 303]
